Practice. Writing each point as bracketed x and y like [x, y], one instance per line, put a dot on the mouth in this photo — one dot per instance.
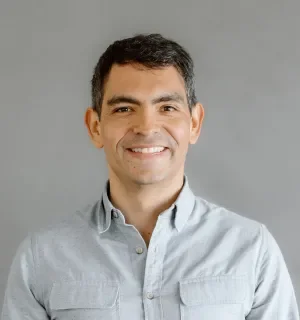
[147, 153]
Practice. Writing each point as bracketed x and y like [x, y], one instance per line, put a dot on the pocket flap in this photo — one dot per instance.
[69, 295]
[207, 290]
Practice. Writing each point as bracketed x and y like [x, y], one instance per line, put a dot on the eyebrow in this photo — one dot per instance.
[169, 97]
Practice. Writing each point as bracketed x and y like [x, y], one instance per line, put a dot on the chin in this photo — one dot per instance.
[148, 178]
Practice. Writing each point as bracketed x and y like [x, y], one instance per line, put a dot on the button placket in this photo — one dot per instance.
[152, 272]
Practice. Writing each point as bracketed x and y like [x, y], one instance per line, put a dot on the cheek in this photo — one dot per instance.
[180, 132]
[111, 136]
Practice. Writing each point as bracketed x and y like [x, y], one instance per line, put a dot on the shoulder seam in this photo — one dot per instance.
[40, 291]
[260, 253]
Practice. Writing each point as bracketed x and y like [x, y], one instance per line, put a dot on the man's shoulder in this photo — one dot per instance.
[68, 226]
[224, 216]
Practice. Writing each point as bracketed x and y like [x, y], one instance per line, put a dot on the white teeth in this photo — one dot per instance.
[148, 150]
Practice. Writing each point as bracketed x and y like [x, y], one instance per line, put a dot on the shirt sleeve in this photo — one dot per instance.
[274, 296]
[20, 300]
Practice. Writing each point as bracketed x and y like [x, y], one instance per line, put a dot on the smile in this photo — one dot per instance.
[148, 150]
[147, 153]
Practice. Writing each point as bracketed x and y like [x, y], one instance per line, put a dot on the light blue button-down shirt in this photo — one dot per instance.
[203, 262]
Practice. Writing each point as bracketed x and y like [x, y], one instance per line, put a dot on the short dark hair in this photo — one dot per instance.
[150, 50]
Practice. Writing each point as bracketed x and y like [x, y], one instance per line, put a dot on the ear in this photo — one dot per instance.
[92, 124]
[197, 117]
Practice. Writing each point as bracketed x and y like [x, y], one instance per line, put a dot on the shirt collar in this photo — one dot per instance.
[179, 211]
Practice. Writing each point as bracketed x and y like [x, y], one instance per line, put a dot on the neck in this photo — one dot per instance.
[142, 204]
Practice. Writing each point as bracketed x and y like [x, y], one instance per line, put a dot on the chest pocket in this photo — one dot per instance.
[84, 300]
[212, 297]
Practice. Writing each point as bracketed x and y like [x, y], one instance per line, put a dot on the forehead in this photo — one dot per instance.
[142, 82]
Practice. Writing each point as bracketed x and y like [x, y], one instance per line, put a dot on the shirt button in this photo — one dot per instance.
[150, 295]
[139, 250]
[115, 214]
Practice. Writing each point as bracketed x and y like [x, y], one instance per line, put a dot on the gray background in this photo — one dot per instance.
[246, 57]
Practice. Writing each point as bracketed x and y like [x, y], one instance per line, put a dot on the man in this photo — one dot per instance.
[148, 248]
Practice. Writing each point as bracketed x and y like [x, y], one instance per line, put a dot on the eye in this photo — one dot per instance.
[122, 109]
[169, 107]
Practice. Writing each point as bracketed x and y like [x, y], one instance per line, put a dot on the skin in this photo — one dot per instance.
[141, 188]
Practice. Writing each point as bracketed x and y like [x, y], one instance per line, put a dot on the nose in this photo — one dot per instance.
[145, 122]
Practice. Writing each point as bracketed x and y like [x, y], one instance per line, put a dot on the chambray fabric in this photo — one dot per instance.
[203, 262]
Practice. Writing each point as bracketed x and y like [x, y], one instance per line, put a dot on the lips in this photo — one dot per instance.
[145, 155]
[146, 146]
[148, 150]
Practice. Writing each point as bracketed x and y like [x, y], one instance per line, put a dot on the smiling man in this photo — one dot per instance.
[148, 248]
[145, 123]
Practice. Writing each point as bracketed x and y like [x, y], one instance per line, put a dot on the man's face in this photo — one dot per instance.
[144, 108]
